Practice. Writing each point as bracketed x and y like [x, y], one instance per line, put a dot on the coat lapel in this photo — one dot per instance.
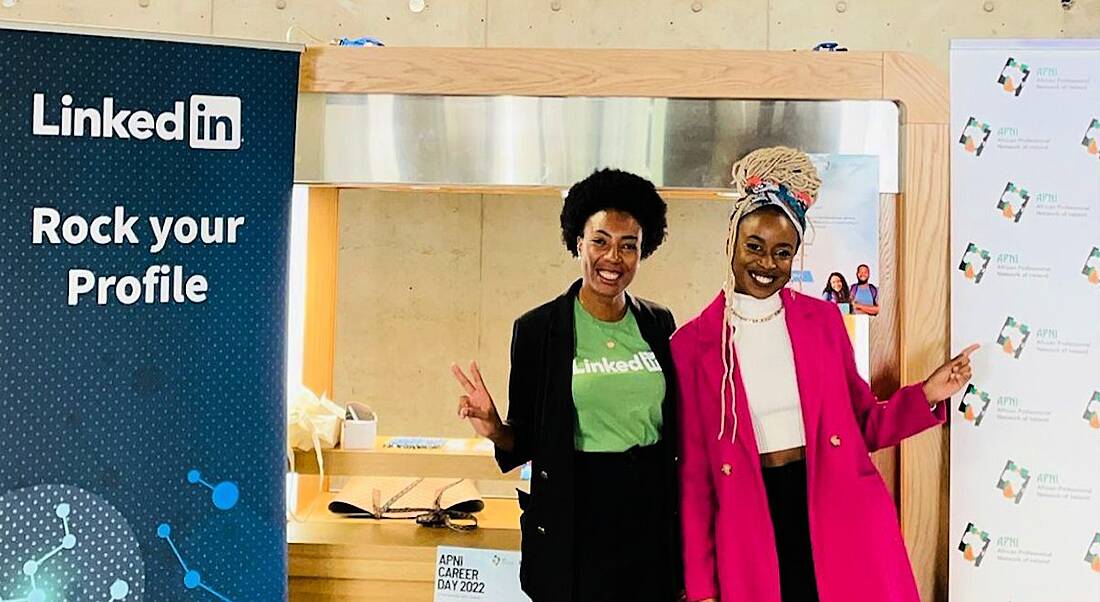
[713, 371]
[562, 347]
[650, 329]
[656, 336]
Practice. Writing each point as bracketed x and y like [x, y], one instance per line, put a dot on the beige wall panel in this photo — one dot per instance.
[441, 23]
[687, 271]
[174, 16]
[924, 28]
[393, 344]
[525, 265]
[738, 24]
[407, 305]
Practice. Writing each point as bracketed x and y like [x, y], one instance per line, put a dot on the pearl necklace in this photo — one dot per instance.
[766, 318]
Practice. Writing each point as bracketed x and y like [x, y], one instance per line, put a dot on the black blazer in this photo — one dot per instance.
[541, 411]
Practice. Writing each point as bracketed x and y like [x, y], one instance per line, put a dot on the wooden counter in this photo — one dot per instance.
[336, 558]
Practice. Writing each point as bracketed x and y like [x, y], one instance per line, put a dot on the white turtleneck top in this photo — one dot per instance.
[768, 373]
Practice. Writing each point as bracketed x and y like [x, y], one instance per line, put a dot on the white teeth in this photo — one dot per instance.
[762, 279]
[608, 275]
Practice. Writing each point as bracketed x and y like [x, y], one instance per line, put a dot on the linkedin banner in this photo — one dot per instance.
[145, 187]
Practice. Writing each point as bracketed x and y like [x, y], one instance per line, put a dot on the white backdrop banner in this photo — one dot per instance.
[1025, 212]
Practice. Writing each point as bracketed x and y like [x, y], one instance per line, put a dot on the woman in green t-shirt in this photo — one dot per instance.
[591, 407]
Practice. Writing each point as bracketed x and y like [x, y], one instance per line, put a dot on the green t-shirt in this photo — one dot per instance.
[618, 385]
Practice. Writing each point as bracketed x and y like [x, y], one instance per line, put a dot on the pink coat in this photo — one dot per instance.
[728, 542]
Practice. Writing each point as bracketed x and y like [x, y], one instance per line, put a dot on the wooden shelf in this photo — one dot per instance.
[465, 458]
[688, 73]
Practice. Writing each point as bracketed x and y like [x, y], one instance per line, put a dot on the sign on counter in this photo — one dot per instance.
[464, 574]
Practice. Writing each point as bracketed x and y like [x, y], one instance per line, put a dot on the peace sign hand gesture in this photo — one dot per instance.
[477, 404]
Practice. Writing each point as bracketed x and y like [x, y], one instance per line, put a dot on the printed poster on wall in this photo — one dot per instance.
[840, 259]
[145, 186]
[1025, 206]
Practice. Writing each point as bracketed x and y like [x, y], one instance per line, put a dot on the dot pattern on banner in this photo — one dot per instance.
[105, 550]
[123, 400]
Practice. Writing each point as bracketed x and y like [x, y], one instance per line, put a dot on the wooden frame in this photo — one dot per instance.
[319, 342]
[921, 220]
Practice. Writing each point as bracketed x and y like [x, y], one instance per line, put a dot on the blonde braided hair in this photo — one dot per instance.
[780, 165]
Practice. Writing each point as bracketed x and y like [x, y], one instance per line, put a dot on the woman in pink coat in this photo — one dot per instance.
[780, 500]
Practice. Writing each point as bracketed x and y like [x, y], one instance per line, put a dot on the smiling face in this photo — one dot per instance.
[766, 244]
[836, 284]
[609, 252]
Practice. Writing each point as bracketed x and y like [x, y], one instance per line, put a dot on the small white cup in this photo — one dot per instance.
[361, 433]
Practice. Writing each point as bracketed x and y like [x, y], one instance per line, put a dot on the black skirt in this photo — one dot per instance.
[786, 487]
[621, 553]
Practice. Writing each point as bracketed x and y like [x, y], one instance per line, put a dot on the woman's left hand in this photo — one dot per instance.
[949, 378]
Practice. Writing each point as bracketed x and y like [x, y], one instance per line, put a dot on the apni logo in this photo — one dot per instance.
[974, 136]
[1013, 337]
[1092, 410]
[973, 405]
[1013, 481]
[1013, 201]
[1090, 142]
[974, 262]
[1092, 266]
[973, 544]
[1092, 555]
[1013, 75]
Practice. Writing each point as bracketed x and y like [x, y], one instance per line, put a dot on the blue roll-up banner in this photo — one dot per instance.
[143, 267]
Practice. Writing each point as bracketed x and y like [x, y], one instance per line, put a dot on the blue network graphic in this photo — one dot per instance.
[224, 494]
[191, 578]
[118, 590]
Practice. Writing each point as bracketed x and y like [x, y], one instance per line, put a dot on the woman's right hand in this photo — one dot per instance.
[477, 404]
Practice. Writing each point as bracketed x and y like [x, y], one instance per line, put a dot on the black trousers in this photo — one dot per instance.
[620, 528]
[786, 487]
